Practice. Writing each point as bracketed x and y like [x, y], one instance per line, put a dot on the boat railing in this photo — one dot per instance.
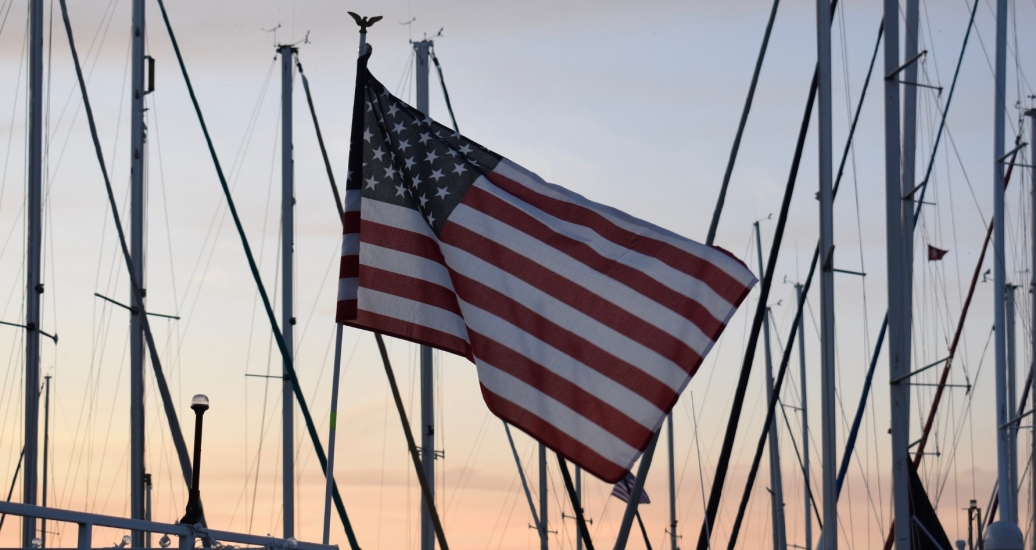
[188, 535]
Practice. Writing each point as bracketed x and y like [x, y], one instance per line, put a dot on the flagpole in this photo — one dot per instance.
[329, 476]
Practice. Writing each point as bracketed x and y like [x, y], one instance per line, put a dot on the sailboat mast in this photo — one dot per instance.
[137, 202]
[287, 289]
[776, 489]
[543, 497]
[1007, 504]
[46, 455]
[827, 289]
[1031, 113]
[427, 366]
[1013, 407]
[34, 286]
[909, 91]
[672, 483]
[805, 422]
[1032, 271]
[579, 498]
[898, 237]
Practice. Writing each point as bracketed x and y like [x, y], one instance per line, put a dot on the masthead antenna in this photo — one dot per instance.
[274, 31]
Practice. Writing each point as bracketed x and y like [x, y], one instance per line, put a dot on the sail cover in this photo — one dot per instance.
[584, 323]
[927, 531]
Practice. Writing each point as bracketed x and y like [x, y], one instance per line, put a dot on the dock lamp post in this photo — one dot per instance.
[200, 404]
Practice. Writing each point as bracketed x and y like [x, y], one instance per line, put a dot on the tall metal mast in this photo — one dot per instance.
[1007, 508]
[899, 180]
[137, 204]
[1013, 407]
[543, 497]
[776, 489]
[427, 366]
[827, 288]
[46, 455]
[34, 286]
[1031, 113]
[672, 484]
[898, 238]
[909, 159]
[805, 422]
[287, 290]
[579, 499]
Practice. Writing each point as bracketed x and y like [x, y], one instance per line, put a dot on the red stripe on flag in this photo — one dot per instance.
[351, 222]
[565, 341]
[402, 240]
[411, 288]
[349, 267]
[560, 389]
[345, 311]
[637, 280]
[688, 263]
[554, 438]
[419, 334]
[573, 295]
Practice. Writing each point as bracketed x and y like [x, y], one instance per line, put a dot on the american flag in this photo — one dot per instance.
[584, 323]
[622, 490]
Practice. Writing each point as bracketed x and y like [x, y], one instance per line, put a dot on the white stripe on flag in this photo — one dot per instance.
[605, 288]
[412, 311]
[611, 341]
[402, 263]
[653, 267]
[556, 414]
[350, 244]
[347, 288]
[611, 392]
[531, 181]
[396, 216]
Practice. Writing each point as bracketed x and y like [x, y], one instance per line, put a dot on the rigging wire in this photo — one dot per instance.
[3, 22]
[288, 359]
[746, 494]
[98, 41]
[171, 416]
[740, 131]
[7, 155]
[17, 336]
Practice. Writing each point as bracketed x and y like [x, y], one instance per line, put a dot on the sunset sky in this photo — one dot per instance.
[631, 104]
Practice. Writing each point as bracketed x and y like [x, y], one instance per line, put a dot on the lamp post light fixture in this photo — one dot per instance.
[200, 404]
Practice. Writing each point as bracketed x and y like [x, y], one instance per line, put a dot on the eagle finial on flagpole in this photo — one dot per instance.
[364, 22]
